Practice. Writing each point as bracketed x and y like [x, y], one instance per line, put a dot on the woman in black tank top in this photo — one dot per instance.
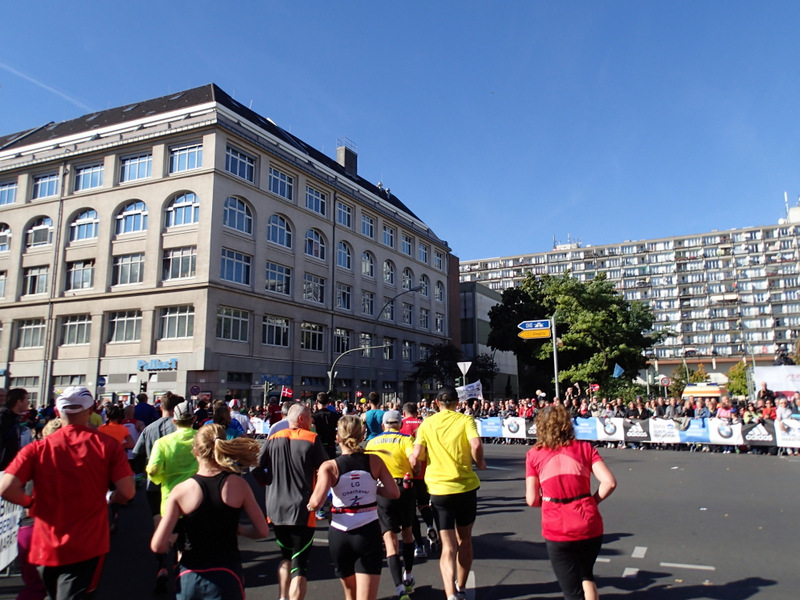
[210, 503]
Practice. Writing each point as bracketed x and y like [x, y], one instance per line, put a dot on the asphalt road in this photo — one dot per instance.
[680, 526]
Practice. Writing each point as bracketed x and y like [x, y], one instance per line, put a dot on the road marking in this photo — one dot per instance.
[639, 552]
[604, 560]
[684, 566]
[630, 572]
[470, 588]
[498, 468]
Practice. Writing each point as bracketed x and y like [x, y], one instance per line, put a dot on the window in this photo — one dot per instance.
[80, 275]
[408, 314]
[313, 288]
[176, 322]
[30, 333]
[424, 285]
[279, 278]
[315, 244]
[388, 348]
[344, 257]
[132, 218]
[183, 210]
[88, 177]
[424, 318]
[312, 336]
[407, 245]
[365, 341]
[3, 279]
[316, 201]
[344, 215]
[388, 309]
[388, 236]
[5, 237]
[368, 226]
[233, 324]
[136, 167]
[341, 340]
[8, 193]
[281, 184]
[438, 260]
[125, 326]
[179, 263]
[34, 281]
[279, 232]
[388, 272]
[439, 323]
[75, 330]
[45, 185]
[367, 264]
[185, 158]
[422, 253]
[408, 278]
[438, 292]
[84, 226]
[62, 381]
[128, 269]
[240, 164]
[237, 215]
[275, 331]
[408, 351]
[367, 303]
[344, 294]
[235, 267]
[40, 233]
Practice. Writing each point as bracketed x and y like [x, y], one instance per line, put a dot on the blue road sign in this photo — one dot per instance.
[540, 324]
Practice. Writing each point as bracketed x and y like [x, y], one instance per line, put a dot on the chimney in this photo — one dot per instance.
[347, 156]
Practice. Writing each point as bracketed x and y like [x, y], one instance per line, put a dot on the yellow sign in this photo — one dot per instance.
[532, 334]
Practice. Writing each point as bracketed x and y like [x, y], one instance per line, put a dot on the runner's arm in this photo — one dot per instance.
[533, 493]
[258, 528]
[12, 489]
[124, 492]
[417, 456]
[608, 482]
[389, 489]
[326, 477]
[159, 543]
[477, 453]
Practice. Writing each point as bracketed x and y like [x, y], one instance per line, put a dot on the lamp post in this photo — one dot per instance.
[375, 328]
[332, 371]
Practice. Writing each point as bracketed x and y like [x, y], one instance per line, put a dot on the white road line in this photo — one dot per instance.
[684, 566]
[498, 468]
[471, 586]
[639, 552]
[630, 572]
[604, 560]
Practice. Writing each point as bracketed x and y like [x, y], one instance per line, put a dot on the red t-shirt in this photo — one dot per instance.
[410, 426]
[71, 470]
[566, 473]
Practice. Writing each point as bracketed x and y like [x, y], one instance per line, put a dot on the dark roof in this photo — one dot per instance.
[177, 101]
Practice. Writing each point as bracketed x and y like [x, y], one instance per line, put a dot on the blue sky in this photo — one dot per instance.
[501, 124]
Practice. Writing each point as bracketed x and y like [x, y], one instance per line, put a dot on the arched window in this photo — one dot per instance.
[344, 257]
[315, 244]
[279, 231]
[132, 218]
[237, 215]
[408, 277]
[367, 264]
[424, 285]
[438, 293]
[84, 226]
[183, 210]
[40, 233]
[388, 272]
[5, 237]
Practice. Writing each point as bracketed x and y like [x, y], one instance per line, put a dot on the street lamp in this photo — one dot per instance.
[375, 328]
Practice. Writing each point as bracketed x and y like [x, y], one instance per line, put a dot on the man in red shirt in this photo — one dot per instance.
[71, 471]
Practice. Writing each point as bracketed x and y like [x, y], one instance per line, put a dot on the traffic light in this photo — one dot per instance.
[142, 387]
[270, 386]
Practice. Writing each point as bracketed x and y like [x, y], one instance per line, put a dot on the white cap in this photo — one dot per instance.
[74, 399]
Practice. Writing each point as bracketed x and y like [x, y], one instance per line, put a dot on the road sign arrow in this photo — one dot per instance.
[533, 334]
[534, 324]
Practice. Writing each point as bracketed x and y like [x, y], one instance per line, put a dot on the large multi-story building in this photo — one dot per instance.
[187, 243]
[722, 293]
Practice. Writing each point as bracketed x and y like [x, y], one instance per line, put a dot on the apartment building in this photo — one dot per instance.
[723, 294]
[186, 243]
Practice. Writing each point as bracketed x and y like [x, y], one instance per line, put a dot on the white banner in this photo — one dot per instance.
[261, 426]
[664, 431]
[721, 432]
[610, 430]
[10, 515]
[787, 433]
[514, 427]
[778, 379]
[471, 390]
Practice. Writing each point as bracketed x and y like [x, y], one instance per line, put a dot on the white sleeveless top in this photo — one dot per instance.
[356, 488]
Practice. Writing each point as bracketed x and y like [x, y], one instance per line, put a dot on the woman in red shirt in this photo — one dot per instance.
[558, 478]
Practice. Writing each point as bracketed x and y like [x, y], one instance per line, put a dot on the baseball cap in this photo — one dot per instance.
[184, 411]
[392, 416]
[74, 399]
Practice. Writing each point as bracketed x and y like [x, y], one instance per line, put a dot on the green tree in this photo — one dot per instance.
[737, 379]
[699, 375]
[680, 376]
[439, 368]
[485, 370]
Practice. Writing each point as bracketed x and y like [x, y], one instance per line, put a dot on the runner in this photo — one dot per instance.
[411, 423]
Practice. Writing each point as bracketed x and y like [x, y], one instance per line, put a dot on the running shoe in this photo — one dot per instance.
[401, 593]
[161, 580]
[419, 551]
[409, 583]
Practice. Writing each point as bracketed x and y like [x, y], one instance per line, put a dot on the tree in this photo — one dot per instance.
[699, 375]
[737, 379]
[597, 327]
[485, 370]
[439, 368]
[680, 376]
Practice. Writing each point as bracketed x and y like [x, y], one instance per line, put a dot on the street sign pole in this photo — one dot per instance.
[555, 357]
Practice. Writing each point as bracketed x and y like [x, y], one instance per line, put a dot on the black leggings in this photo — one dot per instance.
[573, 563]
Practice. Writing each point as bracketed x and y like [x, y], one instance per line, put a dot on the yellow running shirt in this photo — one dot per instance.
[445, 436]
